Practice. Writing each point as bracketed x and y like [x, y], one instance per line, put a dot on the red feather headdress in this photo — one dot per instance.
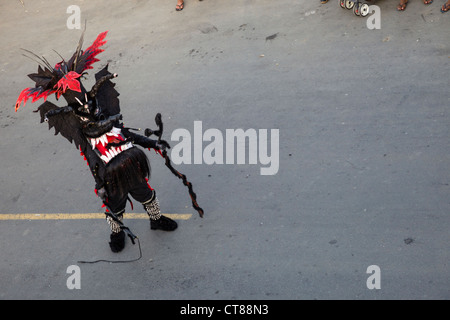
[64, 76]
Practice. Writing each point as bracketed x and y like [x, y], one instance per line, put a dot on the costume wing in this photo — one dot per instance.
[64, 122]
[107, 95]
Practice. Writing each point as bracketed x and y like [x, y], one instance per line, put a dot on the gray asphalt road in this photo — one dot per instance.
[363, 176]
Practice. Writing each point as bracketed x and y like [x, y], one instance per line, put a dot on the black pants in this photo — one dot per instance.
[127, 174]
[117, 201]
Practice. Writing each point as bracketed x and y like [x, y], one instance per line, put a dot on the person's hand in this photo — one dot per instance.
[162, 145]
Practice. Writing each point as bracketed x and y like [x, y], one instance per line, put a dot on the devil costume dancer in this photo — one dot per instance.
[92, 120]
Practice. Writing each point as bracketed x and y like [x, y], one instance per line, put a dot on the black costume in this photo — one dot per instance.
[92, 120]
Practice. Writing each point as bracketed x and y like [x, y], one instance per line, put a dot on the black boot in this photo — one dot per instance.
[163, 223]
[117, 241]
[158, 221]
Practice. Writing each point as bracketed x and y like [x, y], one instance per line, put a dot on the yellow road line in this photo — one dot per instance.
[82, 216]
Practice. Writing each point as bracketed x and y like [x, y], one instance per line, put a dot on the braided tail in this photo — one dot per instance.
[158, 133]
[185, 182]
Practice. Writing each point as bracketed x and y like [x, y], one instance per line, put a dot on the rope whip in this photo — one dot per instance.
[168, 163]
